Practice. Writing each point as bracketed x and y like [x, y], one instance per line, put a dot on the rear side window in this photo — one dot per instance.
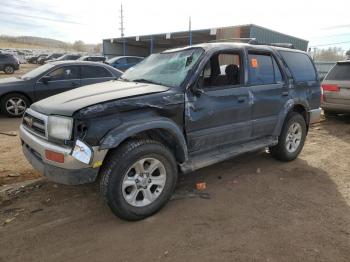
[261, 70]
[94, 72]
[133, 60]
[65, 73]
[340, 71]
[300, 66]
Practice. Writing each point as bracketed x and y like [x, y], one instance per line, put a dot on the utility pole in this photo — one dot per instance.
[121, 22]
[190, 30]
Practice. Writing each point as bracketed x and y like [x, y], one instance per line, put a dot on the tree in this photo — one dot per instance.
[79, 46]
[348, 54]
[331, 54]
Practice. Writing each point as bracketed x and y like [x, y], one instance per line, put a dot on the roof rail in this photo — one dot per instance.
[253, 41]
[285, 45]
[248, 40]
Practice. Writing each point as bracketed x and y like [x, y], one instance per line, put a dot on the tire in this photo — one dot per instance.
[18, 102]
[289, 146]
[9, 69]
[129, 164]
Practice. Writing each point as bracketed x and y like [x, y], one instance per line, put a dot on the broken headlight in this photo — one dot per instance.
[60, 127]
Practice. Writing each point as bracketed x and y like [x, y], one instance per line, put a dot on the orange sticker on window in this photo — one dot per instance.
[254, 63]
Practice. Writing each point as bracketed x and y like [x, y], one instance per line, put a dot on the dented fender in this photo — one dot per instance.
[288, 106]
[117, 135]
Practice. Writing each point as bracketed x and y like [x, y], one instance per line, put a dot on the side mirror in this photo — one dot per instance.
[46, 79]
[197, 90]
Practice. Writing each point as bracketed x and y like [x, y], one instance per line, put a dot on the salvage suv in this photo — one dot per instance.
[179, 110]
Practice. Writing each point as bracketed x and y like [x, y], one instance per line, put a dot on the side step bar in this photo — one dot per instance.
[221, 154]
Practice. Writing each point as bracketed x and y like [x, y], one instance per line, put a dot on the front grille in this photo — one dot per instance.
[35, 123]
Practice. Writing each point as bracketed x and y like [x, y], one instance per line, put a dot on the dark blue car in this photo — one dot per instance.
[16, 94]
[124, 62]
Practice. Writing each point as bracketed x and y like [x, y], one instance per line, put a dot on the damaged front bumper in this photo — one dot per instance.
[70, 171]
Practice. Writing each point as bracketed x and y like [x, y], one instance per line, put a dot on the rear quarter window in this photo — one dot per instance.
[300, 66]
[340, 71]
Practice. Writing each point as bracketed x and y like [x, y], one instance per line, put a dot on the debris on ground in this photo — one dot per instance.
[8, 133]
[9, 220]
[201, 185]
[36, 210]
[178, 195]
[14, 175]
[7, 192]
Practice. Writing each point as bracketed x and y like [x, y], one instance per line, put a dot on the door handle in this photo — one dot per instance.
[241, 99]
[285, 93]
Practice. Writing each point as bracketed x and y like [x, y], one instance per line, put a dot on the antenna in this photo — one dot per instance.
[190, 30]
[121, 21]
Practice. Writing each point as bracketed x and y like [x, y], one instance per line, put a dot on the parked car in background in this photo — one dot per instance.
[53, 56]
[124, 62]
[173, 112]
[65, 57]
[336, 89]
[93, 58]
[8, 63]
[34, 59]
[16, 94]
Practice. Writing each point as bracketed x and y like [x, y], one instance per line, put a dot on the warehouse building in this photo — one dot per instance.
[148, 44]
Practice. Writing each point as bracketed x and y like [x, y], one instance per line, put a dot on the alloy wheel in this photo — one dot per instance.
[144, 182]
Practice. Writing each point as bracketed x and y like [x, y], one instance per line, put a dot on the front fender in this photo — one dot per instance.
[117, 135]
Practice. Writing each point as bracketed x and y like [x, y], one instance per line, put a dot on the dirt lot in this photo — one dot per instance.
[24, 68]
[254, 209]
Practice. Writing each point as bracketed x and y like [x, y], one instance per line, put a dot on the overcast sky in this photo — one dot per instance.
[93, 20]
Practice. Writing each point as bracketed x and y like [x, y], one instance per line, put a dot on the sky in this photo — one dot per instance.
[320, 22]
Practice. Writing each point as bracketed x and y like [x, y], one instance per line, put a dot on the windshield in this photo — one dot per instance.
[168, 69]
[37, 71]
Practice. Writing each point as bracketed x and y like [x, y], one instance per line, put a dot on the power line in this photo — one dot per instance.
[337, 43]
[40, 17]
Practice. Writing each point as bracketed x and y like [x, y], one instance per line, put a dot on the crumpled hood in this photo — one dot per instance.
[69, 102]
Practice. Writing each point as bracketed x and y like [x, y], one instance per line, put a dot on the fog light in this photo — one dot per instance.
[54, 156]
[82, 152]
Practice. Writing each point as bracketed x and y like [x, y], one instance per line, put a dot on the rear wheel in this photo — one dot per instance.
[138, 179]
[14, 105]
[9, 69]
[292, 138]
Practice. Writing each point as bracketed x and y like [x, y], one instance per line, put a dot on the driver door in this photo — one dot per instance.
[59, 80]
[220, 113]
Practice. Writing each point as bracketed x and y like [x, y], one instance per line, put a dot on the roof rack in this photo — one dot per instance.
[248, 40]
[253, 41]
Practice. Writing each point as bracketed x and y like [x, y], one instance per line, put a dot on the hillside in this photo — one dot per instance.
[32, 42]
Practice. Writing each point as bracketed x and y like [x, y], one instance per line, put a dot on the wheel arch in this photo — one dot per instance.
[162, 130]
[291, 106]
[16, 92]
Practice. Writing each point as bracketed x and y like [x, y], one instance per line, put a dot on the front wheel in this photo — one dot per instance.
[9, 69]
[138, 179]
[14, 105]
[292, 138]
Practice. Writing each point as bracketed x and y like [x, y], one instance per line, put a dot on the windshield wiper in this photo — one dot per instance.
[142, 80]
[123, 79]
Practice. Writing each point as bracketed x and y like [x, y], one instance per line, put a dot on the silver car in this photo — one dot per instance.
[336, 89]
